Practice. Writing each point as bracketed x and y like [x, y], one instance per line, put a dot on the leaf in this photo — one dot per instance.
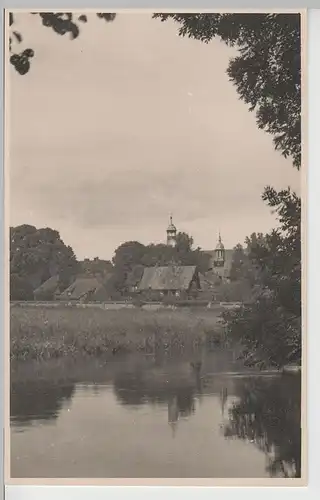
[83, 18]
[21, 63]
[106, 17]
[11, 19]
[74, 30]
[18, 36]
[28, 53]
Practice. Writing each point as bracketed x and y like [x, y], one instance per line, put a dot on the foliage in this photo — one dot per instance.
[269, 330]
[38, 254]
[126, 257]
[268, 413]
[61, 23]
[267, 70]
[268, 334]
[235, 291]
[133, 254]
[20, 288]
[95, 266]
[280, 256]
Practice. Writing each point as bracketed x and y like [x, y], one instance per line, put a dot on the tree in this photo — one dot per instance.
[235, 291]
[38, 254]
[184, 243]
[96, 266]
[269, 330]
[20, 288]
[243, 268]
[61, 23]
[267, 70]
[126, 257]
[157, 255]
[237, 265]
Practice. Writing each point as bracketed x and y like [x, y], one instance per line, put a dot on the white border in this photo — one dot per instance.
[73, 492]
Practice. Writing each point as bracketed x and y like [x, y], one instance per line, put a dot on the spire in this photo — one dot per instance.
[220, 245]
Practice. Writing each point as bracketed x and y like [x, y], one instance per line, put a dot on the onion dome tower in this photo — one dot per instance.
[171, 234]
[219, 253]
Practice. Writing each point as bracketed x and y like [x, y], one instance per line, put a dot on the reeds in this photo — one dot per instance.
[45, 333]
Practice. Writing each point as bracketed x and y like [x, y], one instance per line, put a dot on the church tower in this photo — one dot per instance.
[171, 234]
[219, 253]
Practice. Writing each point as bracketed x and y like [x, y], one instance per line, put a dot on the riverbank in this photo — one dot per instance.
[44, 333]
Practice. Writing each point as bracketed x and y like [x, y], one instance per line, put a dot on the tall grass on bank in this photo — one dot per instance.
[46, 333]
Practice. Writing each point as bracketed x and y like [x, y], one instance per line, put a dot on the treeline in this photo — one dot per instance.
[35, 256]
[39, 254]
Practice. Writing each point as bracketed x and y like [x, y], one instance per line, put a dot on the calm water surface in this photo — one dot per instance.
[157, 418]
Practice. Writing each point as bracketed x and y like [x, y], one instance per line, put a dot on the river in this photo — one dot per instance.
[154, 418]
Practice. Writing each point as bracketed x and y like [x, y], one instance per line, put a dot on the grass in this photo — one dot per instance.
[43, 333]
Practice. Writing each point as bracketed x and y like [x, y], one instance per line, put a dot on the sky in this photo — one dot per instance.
[111, 133]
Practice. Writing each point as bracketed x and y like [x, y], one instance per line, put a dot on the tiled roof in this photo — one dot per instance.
[167, 278]
[80, 288]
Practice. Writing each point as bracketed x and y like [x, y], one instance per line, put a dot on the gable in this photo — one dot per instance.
[167, 278]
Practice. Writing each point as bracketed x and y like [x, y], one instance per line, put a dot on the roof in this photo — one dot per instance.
[220, 245]
[167, 278]
[48, 286]
[80, 288]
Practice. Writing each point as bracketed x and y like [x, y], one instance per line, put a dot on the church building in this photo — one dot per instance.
[220, 257]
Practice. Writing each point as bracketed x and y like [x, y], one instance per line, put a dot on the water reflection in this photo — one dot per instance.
[268, 413]
[175, 390]
[38, 401]
[263, 411]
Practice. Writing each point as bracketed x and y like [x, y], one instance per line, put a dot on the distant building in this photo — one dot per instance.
[171, 234]
[221, 260]
[170, 280]
[220, 257]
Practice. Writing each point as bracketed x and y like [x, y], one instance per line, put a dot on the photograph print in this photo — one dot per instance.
[153, 191]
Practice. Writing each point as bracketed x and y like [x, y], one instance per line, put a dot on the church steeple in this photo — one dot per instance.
[171, 233]
[219, 253]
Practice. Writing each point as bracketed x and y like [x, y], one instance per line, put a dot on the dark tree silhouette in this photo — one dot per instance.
[35, 256]
[267, 70]
[270, 328]
[30, 402]
[61, 23]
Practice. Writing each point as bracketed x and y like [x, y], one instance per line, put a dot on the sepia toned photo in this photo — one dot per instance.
[153, 206]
